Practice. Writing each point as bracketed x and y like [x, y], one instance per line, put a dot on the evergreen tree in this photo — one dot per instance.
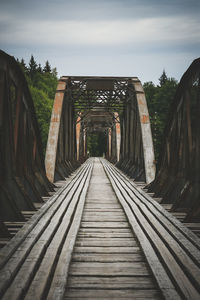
[32, 67]
[158, 100]
[22, 62]
[42, 86]
[47, 67]
[163, 78]
[54, 72]
[39, 69]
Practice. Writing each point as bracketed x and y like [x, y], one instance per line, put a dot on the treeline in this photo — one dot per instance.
[42, 82]
[159, 99]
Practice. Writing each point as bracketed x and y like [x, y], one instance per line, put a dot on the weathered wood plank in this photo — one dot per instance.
[109, 257]
[87, 282]
[106, 243]
[109, 269]
[105, 225]
[105, 230]
[106, 250]
[112, 294]
[105, 235]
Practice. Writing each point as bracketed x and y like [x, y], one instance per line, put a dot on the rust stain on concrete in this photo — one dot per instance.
[144, 119]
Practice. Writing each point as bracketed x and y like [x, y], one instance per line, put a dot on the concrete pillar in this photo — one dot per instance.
[118, 134]
[109, 143]
[78, 128]
[52, 143]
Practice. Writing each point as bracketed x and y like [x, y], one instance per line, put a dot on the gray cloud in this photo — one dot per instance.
[123, 35]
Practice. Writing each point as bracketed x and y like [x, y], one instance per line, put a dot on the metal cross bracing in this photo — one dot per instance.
[99, 104]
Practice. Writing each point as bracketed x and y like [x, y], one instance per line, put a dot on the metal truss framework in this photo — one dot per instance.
[114, 105]
[178, 176]
[22, 172]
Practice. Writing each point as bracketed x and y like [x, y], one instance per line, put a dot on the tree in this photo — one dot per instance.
[42, 86]
[32, 70]
[47, 67]
[43, 106]
[163, 78]
[158, 100]
[22, 65]
[39, 69]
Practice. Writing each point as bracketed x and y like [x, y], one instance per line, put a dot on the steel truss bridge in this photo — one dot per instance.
[79, 227]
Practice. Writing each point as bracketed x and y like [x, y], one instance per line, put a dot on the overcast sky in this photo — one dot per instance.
[104, 37]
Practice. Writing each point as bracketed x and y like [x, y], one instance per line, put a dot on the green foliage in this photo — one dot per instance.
[43, 109]
[47, 67]
[96, 144]
[42, 84]
[158, 101]
[163, 78]
[32, 70]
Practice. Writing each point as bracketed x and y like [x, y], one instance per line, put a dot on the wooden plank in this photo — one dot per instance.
[105, 225]
[112, 294]
[105, 230]
[109, 269]
[101, 209]
[106, 250]
[102, 206]
[109, 257]
[105, 235]
[103, 213]
[104, 219]
[106, 243]
[88, 282]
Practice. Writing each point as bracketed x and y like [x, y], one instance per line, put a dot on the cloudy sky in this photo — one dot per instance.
[104, 37]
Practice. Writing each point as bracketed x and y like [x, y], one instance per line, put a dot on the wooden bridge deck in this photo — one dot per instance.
[107, 261]
[111, 241]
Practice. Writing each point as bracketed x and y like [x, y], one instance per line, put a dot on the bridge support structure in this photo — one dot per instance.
[137, 153]
[178, 178]
[22, 174]
[113, 105]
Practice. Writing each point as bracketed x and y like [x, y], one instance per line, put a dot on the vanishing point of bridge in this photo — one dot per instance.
[78, 227]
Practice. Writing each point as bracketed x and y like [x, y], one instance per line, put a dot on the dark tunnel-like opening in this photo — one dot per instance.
[96, 144]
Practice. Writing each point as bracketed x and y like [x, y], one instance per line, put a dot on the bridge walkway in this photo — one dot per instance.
[100, 236]
[107, 261]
